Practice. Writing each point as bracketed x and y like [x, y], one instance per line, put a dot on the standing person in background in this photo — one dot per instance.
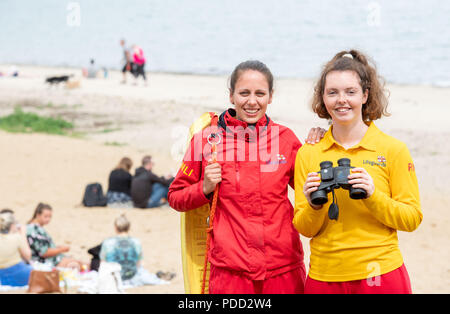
[358, 252]
[120, 184]
[15, 253]
[139, 61]
[43, 248]
[127, 61]
[147, 189]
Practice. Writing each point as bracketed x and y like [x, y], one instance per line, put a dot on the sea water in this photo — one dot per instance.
[409, 40]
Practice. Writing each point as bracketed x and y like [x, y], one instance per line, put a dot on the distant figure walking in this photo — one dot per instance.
[126, 60]
[139, 62]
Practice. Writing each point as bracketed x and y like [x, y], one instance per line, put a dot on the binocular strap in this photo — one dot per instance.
[333, 210]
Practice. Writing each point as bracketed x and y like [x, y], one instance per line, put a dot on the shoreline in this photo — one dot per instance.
[443, 85]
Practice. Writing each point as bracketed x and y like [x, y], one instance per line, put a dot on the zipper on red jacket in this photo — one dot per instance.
[238, 178]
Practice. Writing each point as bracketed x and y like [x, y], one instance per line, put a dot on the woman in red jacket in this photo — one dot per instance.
[254, 247]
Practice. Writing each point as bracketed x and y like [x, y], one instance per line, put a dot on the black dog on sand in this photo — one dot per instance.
[55, 80]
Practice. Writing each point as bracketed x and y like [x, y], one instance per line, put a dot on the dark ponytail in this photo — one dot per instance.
[254, 65]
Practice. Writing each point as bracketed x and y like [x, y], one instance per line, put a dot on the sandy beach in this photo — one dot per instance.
[113, 120]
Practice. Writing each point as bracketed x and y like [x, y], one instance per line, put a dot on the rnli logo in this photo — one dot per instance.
[381, 161]
[279, 160]
[186, 170]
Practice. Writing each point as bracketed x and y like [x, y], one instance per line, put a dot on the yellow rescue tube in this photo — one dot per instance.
[193, 232]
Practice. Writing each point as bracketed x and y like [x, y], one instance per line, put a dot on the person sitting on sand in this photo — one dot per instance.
[122, 249]
[15, 253]
[92, 70]
[120, 184]
[147, 189]
[43, 248]
[127, 252]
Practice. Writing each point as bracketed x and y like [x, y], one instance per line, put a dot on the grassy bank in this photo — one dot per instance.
[26, 122]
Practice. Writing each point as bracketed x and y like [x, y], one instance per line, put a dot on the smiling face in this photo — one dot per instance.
[251, 96]
[343, 97]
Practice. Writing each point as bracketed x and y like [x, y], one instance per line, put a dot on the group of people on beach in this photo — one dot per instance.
[247, 161]
[22, 244]
[133, 61]
[143, 190]
[22, 247]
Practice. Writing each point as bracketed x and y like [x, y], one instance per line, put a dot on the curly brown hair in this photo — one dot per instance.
[354, 60]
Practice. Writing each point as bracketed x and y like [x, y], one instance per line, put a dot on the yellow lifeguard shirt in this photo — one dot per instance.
[363, 242]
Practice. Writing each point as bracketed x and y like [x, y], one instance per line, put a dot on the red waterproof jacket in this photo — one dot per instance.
[252, 228]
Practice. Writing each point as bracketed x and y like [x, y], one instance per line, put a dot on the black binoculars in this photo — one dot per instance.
[334, 178]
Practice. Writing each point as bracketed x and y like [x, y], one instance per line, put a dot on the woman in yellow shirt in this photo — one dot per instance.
[354, 244]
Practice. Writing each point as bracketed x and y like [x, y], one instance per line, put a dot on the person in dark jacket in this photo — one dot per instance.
[120, 184]
[147, 189]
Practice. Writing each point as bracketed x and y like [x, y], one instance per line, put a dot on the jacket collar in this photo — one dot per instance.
[228, 118]
[367, 142]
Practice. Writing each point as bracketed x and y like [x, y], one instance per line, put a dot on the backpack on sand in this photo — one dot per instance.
[93, 196]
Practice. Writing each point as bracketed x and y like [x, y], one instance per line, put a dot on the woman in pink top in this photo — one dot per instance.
[139, 61]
